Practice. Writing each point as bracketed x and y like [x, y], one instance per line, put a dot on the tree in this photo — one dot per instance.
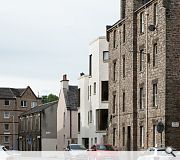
[50, 98]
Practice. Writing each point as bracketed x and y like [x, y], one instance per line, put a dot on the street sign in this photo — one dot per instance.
[175, 124]
[160, 127]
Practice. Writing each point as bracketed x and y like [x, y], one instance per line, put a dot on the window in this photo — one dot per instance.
[124, 66]
[79, 122]
[64, 119]
[141, 59]
[90, 116]
[33, 104]
[114, 103]
[124, 101]
[104, 91]
[142, 98]
[6, 114]
[142, 22]
[6, 102]
[23, 103]
[124, 33]
[114, 38]
[105, 56]
[114, 136]
[90, 90]
[6, 127]
[124, 136]
[114, 70]
[90, 65]
[95, 140]
[6, 139]
[155, 95]
[141, 136]
[101, 119]
[79, 97]
[156, 14]
[154, 54]
[91, 141]
[123, 10]
[154, 135]
[94, 87]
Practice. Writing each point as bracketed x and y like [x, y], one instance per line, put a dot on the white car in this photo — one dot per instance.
[3, 153]
[155, 153]
[76, 151]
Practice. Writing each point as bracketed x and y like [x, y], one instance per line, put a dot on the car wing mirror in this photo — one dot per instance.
[169, 150]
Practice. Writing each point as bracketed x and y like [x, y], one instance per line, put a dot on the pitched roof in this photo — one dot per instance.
[39, 108]
[11, 92]
[71, 97]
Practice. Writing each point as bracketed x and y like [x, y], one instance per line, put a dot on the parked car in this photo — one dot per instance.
[3, 153]
[156, 153]
[102, 147]
[75, 147]
[102, 151]
[76, 151]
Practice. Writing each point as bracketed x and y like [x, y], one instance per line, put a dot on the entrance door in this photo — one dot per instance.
[85, 142]
[129, 138]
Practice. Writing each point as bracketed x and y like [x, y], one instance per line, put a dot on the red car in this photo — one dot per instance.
[102, 152]
[102, 147]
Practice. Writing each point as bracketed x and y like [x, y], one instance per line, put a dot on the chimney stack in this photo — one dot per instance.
[65, 82]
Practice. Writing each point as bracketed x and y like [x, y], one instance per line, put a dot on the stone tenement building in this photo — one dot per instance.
[14, 102]
[144, 77]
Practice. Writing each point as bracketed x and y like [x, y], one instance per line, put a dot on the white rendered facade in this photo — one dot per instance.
[91, 95]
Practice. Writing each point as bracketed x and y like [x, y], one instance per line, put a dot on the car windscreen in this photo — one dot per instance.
[77, 147]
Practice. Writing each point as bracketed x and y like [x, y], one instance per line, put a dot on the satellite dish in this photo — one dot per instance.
[152, 27]
[160, 127]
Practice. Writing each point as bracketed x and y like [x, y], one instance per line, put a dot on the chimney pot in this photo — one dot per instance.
[64, 77]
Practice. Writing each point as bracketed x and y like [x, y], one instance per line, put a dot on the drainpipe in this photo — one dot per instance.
[119, 88]
[146, 13]
[70, 125]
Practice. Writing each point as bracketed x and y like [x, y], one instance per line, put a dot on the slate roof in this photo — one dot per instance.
[39, 108]
[71, 97]
[11, 92]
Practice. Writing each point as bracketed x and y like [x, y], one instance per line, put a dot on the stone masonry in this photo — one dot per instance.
[132, 126]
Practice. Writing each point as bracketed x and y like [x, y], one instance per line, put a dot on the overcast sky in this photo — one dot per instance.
[40, 40]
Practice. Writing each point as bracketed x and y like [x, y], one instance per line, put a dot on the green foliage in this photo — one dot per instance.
[50, 98]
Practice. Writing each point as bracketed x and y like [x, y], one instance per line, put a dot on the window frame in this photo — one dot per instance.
[155, 52]
[105, 52]
[156, 14]
[141, 65]
[114, 70]
[124, 103]
[6, 117]
[24, 102]
[6, 130]
[104, 92]
[142, 24]
[141, 136]
[124, 66]
[6, 100]
[6, 142]
[114, 104]
[141, 98]
[155, 95]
